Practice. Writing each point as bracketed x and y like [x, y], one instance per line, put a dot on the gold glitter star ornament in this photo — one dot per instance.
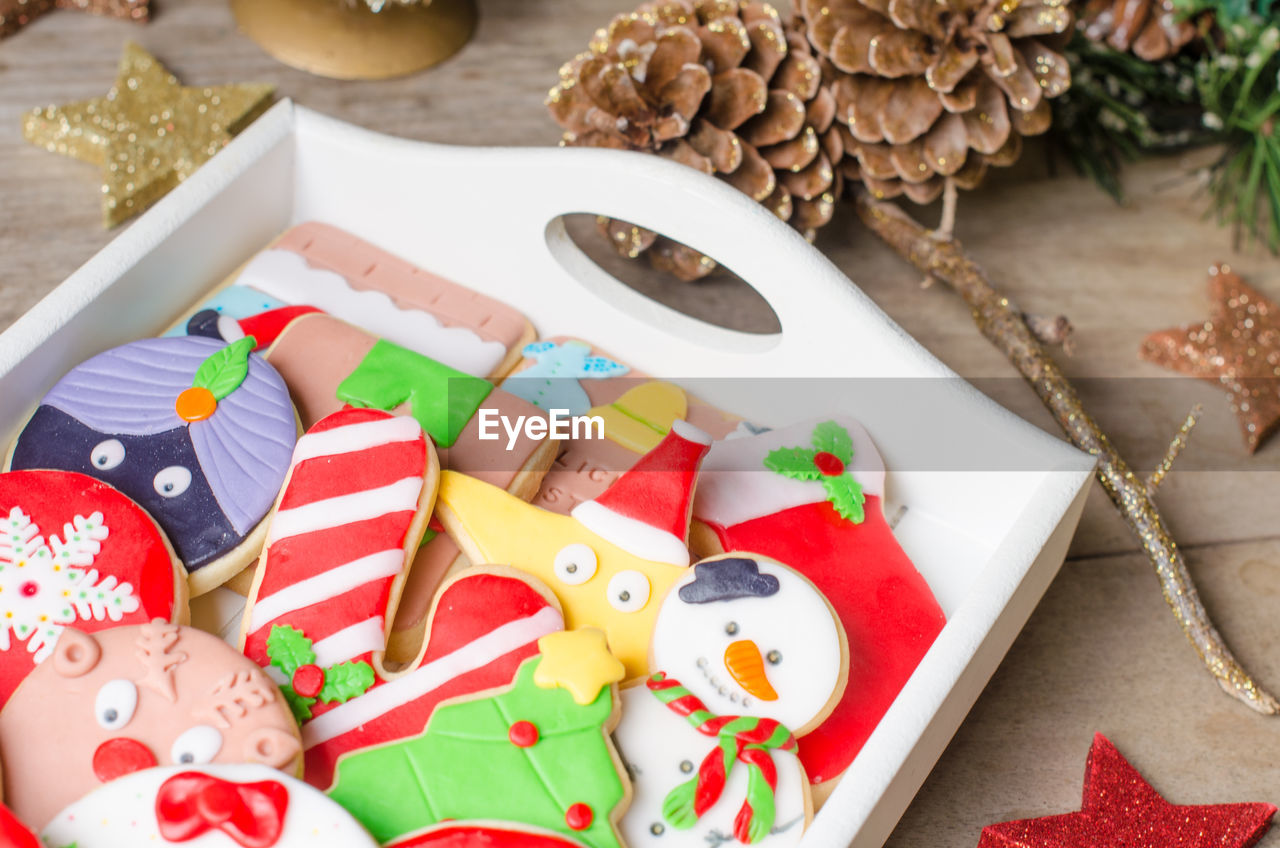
[1238, 348]
[149, 133]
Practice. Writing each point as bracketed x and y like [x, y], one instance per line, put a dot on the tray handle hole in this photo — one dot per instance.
[722, 298]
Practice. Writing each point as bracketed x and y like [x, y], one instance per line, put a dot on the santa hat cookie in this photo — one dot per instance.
[646, 512]
[611, 560]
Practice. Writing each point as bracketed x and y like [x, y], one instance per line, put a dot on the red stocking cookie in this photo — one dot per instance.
[810, 495]
[128, 698]
[74, 552]
[350, 518]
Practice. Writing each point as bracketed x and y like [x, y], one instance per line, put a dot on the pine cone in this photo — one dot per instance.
[1152, 29]
[930, 89]
[720, 85]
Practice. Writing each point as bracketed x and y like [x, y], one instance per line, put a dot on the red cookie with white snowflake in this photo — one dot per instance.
[75, 551]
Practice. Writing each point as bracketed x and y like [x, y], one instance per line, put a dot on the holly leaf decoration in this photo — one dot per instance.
[831, 438]
[225, 369]
[289, 649]
[846, 495]
[796, 463]
[299, 705]
[345, 681]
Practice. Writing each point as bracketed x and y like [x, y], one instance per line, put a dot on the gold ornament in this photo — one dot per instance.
[1238, 348]
[149, 133]
[15, 14]
[358, 39]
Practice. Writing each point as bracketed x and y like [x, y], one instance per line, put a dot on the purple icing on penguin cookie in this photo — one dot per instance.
[198, 432]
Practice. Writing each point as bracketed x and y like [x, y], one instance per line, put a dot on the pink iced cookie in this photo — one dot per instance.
[108, 704]
[322, 266]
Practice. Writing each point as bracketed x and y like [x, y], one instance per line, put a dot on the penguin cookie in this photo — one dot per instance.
[197, 432]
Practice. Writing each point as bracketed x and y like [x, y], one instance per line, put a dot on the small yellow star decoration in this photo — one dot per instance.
[577, 660]
[148, 133]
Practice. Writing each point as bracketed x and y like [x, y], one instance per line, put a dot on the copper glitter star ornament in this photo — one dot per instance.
[1237, 348]
[15, 14]
[1121, 809]
[149, 133]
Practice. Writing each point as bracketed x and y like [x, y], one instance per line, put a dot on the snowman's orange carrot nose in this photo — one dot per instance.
[744, 662]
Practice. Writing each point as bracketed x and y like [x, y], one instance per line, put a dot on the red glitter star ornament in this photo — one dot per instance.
[1121, 810]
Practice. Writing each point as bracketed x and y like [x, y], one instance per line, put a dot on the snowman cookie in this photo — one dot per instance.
[128, 698]
[197, 432]
[218, 806]
[747, 657]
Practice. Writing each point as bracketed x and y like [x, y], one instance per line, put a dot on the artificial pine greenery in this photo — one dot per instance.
[1226, 90]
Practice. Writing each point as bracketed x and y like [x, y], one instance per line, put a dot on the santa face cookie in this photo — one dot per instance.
[128, 698]
[198, 432]
[747, 649]
[75, 552]
[212, 806]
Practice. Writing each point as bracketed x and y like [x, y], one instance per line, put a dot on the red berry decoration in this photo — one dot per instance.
[308, 680]
[828, 463]
[579, 816]
[524, 734]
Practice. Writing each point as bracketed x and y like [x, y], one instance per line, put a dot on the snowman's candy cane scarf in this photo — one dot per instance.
[745, 738]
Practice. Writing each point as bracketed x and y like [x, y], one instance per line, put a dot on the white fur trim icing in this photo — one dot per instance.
[689, 432]
[634, 537]
[286, 276]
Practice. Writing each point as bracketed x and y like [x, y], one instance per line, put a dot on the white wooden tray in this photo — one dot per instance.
[988, 541]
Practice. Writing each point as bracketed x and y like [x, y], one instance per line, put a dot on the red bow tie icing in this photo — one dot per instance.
[191, 804]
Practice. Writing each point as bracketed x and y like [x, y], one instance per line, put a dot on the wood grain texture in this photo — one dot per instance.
[1102, 652]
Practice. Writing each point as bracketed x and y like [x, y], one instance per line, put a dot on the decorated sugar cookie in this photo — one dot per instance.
[536, 752]
[329, 364]
[483, 834]
[16, 834]
[198, 432]
[611, 560]
[750, 657]
[322, 266]
[235, 312]
[351, 516]
[810, 495]
[551, 380]
[212, 806]
[128, 698]
[75, 552]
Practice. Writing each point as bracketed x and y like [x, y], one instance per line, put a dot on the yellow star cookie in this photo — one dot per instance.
[577, 660]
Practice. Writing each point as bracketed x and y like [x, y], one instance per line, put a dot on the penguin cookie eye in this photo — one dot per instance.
[172, 481]
[575, 564]
[773, 657]
[115, 703]
[106, 455]
[197, 745]
[731, 628]
[628, 591]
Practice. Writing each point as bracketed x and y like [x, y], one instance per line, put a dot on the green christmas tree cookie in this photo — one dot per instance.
[526, 754]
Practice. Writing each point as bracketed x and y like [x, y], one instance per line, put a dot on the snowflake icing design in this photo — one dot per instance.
[44, 587]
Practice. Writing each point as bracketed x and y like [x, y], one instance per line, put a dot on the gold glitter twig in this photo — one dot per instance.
[1175, 447]
[1002, 324]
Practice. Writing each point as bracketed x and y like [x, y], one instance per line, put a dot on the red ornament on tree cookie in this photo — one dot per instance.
[1121, 809]
[75, 552]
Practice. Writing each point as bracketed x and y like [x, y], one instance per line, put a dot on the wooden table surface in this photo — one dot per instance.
[1101, 653]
